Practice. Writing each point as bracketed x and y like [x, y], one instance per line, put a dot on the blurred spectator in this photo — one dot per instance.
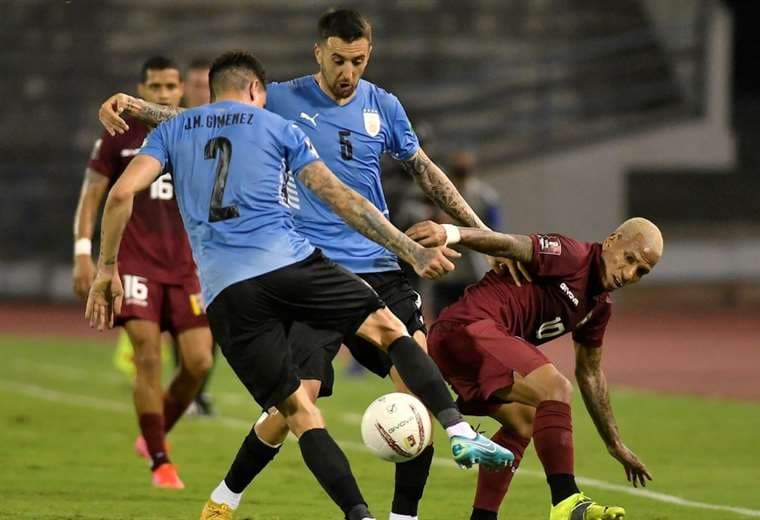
[483, 199]
[196, 83]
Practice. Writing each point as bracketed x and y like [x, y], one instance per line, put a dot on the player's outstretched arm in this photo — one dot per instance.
[515, 247]
[360, 214]
[596, 396]
[106, 292]
[110, 113]
[439, 188]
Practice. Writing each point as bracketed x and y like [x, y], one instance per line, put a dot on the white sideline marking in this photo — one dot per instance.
[56, 396]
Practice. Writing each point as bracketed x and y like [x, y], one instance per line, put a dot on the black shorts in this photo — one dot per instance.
[314, 350]
[250, 320]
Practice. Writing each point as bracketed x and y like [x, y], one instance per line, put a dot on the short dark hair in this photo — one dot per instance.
[157, 63]
[229, 71]
[199, 64]
[346, 24]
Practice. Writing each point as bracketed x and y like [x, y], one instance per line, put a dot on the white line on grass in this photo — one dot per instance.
[57, 396]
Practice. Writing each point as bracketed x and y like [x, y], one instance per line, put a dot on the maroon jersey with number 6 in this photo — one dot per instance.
[155, 244]
[566, 295]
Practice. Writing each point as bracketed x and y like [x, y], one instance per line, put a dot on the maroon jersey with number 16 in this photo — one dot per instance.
[155, 244]
[566, 295]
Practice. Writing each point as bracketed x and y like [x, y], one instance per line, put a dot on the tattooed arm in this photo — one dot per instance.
[439, 188]
[596, 396]
[360, 214]
[514, 247]
[149, 113]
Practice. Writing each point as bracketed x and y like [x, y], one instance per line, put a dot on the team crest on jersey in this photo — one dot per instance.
[371, 122]
[549, 245]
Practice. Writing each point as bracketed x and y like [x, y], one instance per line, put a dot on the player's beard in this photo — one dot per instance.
[342, 91]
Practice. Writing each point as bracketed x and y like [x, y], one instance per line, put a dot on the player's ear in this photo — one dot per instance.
[318, 53]
[611, 239]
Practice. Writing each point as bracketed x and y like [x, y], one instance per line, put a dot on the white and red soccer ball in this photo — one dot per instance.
[396, 427]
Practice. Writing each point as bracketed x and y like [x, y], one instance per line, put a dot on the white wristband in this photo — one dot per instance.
[83, 246]
[453, 235]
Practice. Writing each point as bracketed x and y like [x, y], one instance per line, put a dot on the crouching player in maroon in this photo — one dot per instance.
[485, 345]
[161, 287]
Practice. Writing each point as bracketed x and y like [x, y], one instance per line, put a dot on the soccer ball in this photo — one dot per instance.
[396, 427]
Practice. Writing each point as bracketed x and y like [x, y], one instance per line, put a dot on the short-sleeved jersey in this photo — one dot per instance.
[232, 164]
[351, 140]
[155, 244]
[566, 295]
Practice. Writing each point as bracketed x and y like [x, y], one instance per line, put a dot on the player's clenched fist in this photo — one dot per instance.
[434, 262]
[105, 299]
[428, 234]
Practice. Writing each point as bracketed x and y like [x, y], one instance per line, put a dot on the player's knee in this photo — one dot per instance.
[389, 327]
[559, 389]
[198, 365]
[147, 357]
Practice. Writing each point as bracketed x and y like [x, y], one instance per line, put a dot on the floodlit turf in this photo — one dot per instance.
[67, 428]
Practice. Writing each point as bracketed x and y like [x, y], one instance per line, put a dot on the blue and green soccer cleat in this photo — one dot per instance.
[480, 450]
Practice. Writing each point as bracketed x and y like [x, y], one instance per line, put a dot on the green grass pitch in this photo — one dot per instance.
[67, 429]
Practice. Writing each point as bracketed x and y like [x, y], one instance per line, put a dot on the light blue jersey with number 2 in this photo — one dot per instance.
[232, 165]
[350, 140]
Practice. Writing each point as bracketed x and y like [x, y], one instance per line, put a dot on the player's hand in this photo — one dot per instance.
[110, 113]
[635, 471]
[83, 275]
[427, 234]
[516, 269]
[105, 299]
[432, 263]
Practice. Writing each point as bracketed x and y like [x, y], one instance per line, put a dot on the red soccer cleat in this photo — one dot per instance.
[165, 476]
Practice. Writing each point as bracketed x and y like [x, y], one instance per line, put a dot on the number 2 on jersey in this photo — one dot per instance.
[223, 147]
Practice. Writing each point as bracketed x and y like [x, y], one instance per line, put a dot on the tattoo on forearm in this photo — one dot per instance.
[151, 113]
[516, 247]
[356, 211]
[441, 190]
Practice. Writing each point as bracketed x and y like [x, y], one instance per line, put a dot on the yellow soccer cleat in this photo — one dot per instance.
[580, 507]
[214, 511]
[124, 356]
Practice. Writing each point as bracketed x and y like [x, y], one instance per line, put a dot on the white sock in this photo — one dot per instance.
[223, 495]
[395, 516]
[461, 429]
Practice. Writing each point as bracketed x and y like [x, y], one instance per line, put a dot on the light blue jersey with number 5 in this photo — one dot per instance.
[231, 167]
[350, 139]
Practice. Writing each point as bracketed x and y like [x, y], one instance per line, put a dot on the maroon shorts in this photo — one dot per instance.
[176, 308]
[480, 358]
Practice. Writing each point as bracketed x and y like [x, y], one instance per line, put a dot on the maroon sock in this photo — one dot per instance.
[152, 428]
[553, 437]
[173, 410]
[493, 485]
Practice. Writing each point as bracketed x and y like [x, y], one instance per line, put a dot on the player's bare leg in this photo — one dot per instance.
[550, 393]
[410, 476]
[515, 433]
[194, 347]
[418, 371]
[148, 398]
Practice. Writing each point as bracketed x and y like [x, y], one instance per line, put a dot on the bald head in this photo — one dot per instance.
[646, 231]
[630, 253]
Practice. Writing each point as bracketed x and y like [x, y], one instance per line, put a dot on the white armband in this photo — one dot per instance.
[453, 235]
[83, 246]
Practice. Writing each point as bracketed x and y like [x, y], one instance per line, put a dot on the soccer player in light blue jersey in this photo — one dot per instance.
[352, 123]
[232, 163]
